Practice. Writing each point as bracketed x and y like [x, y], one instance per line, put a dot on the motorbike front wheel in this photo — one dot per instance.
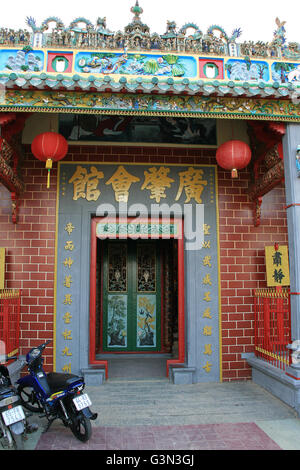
[81, 427]
[29, 399]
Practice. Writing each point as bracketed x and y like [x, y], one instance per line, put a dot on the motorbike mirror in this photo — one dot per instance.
[46, 343]
[2, 352]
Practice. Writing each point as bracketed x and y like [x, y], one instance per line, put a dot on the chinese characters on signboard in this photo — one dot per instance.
[277, 265]
[207, 328]
[156, 180]
[68, 262]
[2, 267]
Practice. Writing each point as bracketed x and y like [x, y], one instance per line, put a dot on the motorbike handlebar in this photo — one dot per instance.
[42, 346]
[6, 359]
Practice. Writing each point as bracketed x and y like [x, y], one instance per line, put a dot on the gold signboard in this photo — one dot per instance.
[277, 265]
[2, 267]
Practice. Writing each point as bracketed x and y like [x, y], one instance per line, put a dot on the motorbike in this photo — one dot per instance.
[12, 416]
[56, 395]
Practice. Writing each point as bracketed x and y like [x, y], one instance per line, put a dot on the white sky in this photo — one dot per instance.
[256, 18]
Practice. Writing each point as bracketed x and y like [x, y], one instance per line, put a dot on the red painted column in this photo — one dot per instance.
[93, 299]
[181, 313]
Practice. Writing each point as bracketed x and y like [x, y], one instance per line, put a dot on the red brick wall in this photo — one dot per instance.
[30, 254]
[30, 260]
[243, 264]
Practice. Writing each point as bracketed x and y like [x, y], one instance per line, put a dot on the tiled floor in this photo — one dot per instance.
[149, 415]
[225, 436]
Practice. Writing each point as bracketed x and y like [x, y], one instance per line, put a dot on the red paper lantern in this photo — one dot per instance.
[233, 155]
[49, 147]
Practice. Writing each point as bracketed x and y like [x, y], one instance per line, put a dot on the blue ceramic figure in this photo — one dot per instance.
[298, 160]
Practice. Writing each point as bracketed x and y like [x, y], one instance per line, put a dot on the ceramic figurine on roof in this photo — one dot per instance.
[292, 51]
[11, 37]
[30, 21]
[221, 43]
[137, 10]
[279, 34]
[136, 36]
[101, 27]
[59, 26]
[171, 30]
[80, 25]
[37, 32]
[298, 161]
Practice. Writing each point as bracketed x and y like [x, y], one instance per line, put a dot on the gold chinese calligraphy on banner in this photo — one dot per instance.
[2, 267]
[277, 265]
[67, 283]
[156, 180]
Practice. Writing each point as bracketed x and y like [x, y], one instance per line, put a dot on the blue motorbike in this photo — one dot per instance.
[12, 417]
[56, 395]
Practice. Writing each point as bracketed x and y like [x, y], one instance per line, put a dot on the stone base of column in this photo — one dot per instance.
[279, 383]
[93, 376]
[293, 371]
[182, 375]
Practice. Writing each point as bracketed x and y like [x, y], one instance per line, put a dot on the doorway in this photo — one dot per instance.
[137, 300]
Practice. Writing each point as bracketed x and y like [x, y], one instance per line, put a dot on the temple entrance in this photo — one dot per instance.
[137, 318]
[136, 301]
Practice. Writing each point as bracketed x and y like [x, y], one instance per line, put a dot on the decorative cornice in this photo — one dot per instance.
[151, 104]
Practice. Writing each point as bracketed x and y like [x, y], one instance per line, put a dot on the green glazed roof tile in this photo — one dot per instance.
[251, 89]
[225, 89]
[84, 84]
[51, 83]
[20, 82]
[67, 83]
[36, 82]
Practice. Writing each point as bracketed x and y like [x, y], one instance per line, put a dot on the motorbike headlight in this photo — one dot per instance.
[9, 400]
[34, 353]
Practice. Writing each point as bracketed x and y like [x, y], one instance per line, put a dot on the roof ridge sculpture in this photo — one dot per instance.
[83, 34]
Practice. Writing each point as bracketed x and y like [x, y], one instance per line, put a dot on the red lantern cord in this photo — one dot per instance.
[49, 147]
[233, 155]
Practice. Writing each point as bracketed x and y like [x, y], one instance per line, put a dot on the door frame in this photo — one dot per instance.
[179, 236]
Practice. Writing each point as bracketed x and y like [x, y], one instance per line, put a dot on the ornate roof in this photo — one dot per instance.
[87, 57]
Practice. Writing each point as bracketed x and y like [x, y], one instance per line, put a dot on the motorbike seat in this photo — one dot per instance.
[4, 390]
[58, 381]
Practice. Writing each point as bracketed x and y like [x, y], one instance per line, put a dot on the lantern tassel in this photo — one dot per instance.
[48, 166]
[234, 173]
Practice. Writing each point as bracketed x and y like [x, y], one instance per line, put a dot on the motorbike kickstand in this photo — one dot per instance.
[47, 427]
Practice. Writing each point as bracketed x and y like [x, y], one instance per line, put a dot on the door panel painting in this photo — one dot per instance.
[117, 321]
[146, 321]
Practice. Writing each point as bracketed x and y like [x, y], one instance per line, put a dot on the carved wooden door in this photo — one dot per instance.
[131, 300]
